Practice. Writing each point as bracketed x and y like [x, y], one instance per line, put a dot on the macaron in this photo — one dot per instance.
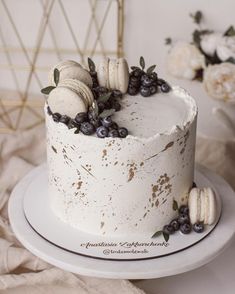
[70, 69]
[202, 206]
[113, 74]
[80, 88]
[103, 73]
[66, 102]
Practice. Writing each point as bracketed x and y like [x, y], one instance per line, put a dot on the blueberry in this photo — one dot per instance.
[114, 126]
[113, 133]
[73, 124]
[146, 81]
[101, 106]
[102, 90]
[116, 105]
[198, 227]
[56, 117]
[175, 224]
[153, 89]
[81, 117]
[185, 228]
[107, 121]
[91, 115]
[64, 119]
[134, 81]
[93, 74]
[184, 209]
[194, 185]
[153, 76]
[117, 94]
[102, 132]
[132, 90]
[87, 128]
[137, 72]
[95, 122]
[49, 110]
[145, 91]
[108, 104]
[165, 88]
[183, 219]
[123, 132]
[168, 229]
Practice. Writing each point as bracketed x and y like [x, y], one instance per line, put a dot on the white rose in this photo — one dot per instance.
[184, 60]
[226, 48]
[209, 43]
[219, 81]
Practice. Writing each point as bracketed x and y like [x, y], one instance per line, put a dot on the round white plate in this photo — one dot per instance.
[182, 261]
[41, 218]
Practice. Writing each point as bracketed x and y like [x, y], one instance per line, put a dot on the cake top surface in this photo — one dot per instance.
[157, 114]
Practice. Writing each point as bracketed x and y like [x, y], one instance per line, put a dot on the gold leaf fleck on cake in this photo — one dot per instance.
[182, 150]
[79, 184]
[131, 174]
[116, 162]
[142, 163]
[104, 153]
[169, 145]
[145, 215]
[157, 203]
[54, 149]
[101, 225]
[115, 229]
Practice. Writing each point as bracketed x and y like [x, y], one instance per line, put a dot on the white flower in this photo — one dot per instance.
[184, 60]
[226, 48]
[219, 81]
[209, 43]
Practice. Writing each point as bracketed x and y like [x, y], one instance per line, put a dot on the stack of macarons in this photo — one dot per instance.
[202, 206]
[72, 94]
[113, 74]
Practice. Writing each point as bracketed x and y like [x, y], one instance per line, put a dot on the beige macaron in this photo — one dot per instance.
[202, 205]
[66, 102]
[80, 88]
[70, 69]
[113, 74]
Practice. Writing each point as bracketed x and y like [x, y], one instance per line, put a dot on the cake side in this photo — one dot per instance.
[115, 186]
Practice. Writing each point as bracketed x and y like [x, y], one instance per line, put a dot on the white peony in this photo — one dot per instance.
[184, 60]
[226, 48]
[209, 43]
[219, 81]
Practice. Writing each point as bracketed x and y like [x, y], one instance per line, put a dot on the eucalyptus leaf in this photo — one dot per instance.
[231, 59]
[95, 108]
[105, 97]
[91, 64]
[175, 205]
[142, 62]
[47, 90]
[107, 112]
[166, 236]
[76, 131]
[56, 76]
[157, 234]
[197, 17]
[151, 69]
[168, 41]
[230, 32]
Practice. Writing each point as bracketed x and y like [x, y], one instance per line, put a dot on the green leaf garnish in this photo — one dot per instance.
[47, 90]
[157, 234]
[91, 64]
[197, 36]
[230, 59]
[104, 98]
[166, 236]
[175, 205]
[168, 41]
[142, 62]
[107, 112]
[76, 131]
[230, 32]
[151, 69]
[95, 108]
[56, 76]
[197, 17]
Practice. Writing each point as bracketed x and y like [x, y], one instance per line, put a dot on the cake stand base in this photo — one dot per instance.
[192, 257]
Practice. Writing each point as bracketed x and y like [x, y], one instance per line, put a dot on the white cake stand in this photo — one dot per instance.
[188, 259]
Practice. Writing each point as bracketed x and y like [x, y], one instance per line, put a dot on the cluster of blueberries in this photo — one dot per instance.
[146, 83]
[89, 124]
[182, 223]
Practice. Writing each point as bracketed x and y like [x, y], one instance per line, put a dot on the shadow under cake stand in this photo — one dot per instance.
[55, 242]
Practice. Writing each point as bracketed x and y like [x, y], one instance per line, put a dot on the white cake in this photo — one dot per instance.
[125, 186]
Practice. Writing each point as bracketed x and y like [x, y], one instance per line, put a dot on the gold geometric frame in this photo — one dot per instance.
[12, 110]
